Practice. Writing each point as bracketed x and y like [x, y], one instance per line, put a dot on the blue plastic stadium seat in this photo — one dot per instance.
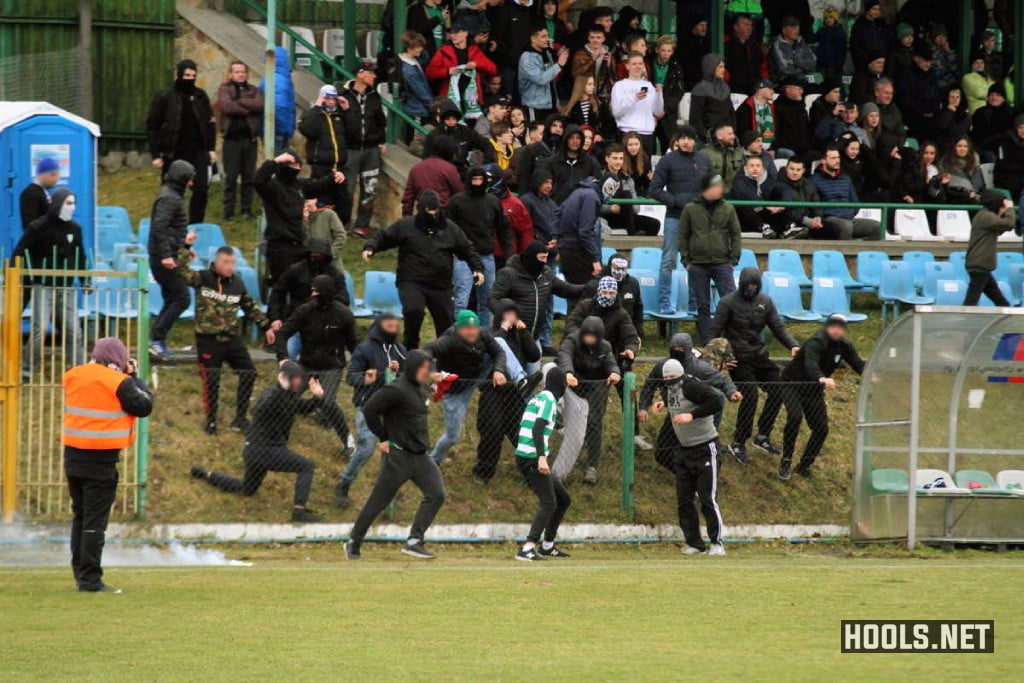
[111, 297]
[935, 271]
[113, 214]
[950, 292]
[917, 259]
[829, 296]
[211, 254]
[380, 295]
[747, 259]
[869, 267]
[112, 233]
[144, 232]
[959, 261]
[787, 297]
[680, 295]
[1015, 279]
[1004, 260]
[350, 284]
[606, 253]
[788, 261]
[1004, 287]
[648, 279]
[250, 280]
[897, 287]
[645, 258]
[207, 235]
[827, 263]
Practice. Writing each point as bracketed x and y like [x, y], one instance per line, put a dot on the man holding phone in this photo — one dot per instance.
[636, 104]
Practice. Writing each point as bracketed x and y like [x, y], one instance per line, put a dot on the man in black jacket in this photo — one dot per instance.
[590, 366]
[426, 243]
[220, 295]
[328, 328]
[500, 407]
[570, 164]
[793, 135]
[284, 197]
[168, 233]
[397, 416]
[323, 126]
[530, 158]
[479, 215]
[773, 222]
[365, 127]
[801, 189]
[34, 200]
[266, 444]
[381, 353]
[629, 296]
[180, 125]
[467, 141]
[54, 241]
[543, 210]
[741, 318]
[807, 377]
[473, 356]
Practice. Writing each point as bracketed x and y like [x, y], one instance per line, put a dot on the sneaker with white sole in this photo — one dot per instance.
[418, 550]
[716, 549]
[590, 475]
[159, 351]
[690, 550]
[642, 443]
[530, 555]
[765, 444]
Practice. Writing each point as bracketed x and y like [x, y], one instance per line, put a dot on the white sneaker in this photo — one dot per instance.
[642, 443]
[690, 550]
[716, 549]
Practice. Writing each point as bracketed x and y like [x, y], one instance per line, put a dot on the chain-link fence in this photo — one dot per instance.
[54, 77]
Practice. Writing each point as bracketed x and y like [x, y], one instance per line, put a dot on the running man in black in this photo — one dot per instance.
[692, 405]
[818, 358]
[397, 415]
[266, 445]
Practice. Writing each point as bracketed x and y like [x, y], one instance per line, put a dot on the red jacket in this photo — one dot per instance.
[433, 173]
[521, 223]
[444, 59]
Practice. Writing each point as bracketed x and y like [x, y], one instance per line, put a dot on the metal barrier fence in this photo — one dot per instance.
[49, 326]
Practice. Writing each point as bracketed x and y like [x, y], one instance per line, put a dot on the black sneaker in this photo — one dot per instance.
[784, 469]
[739, 451]
[341, 493]
[211, 427]
[554, 551]
[794, 232]
[549, 351]
[764, 443]
[99, 588]
[305, 516]
[769, 233]
[417, 550]
[240, 424]
[198, 472]
[804, 472]
[530, 555]
[352, 550]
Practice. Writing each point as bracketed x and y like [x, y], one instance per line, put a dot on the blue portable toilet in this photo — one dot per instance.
[30, 131]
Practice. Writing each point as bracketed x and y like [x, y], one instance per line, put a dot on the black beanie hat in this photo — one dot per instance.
[992, 200]
[184, 64]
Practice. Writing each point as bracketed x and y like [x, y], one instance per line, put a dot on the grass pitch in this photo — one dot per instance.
[609, 613]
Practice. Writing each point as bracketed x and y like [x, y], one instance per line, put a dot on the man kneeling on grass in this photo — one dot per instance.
[532, 461]
[692, 405]
[266, 445]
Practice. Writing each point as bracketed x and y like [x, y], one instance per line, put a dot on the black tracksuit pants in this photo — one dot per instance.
[748, 375]
[261, 459]
[330, 412]
[175, 294]
[697, 473]
[93, 487]
[213, 353]
[804, 401]
[416, 299]
[497, 418]
[396, 468]
[553, 497]
[239, 160]
[200, 160]
[983, 282]
[281, 254]
[578, 269]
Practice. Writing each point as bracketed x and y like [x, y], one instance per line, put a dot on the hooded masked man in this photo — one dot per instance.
[426, 243]
[741, 317]
[532, 451]
[530, 157]
[266, 445]
[468, 143]
[54, 241]
[180, 125]
[397, 416]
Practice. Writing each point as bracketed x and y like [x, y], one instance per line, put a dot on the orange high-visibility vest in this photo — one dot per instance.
[93, 417]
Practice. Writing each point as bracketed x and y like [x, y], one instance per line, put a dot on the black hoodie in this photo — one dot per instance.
[567, 170]
[465, 138]
[425, 246]
[452, 353]
[168, 223]
[520, 341]
[543, 210]
[292, 289]
[326, 325]
[284, 196]
[820, 356]
[529, 157]
[274, 414]
[680, 348]
[480, 216]
[742, 315]
[375, 353]
[531, 291]
[397, 412]
[50, 242]
[587, 362]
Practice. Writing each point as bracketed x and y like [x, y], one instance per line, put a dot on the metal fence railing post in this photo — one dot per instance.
[142, 347]
[628, 447]
[10, 372]
[389, 511]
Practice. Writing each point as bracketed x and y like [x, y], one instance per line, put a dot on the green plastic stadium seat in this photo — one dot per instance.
[885, 482]
[964, 479]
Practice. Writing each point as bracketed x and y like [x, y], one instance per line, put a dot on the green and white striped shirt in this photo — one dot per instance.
[543, 406]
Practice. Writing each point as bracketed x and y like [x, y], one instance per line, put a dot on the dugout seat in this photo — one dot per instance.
[938, 483]
[980, 482]
[889, 481]
[1011, 480]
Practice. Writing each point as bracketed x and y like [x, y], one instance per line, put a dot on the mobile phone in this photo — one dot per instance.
[643, 89]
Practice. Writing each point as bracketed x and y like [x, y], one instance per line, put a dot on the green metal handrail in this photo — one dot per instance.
[338, 69]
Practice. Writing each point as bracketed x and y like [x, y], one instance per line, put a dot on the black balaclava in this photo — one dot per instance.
[473, 190]
[285, 172]
[429, 223]
[413, 362]
[388, 338]
[180, 84]
[528, 258]
[324, 285]
[750, 283]
[680, 347]
[554, 381]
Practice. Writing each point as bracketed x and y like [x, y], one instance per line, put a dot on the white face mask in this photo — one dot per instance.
[67, 210]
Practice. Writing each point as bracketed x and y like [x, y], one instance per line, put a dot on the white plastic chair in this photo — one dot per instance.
[371, 44]
[655, 211]
[912, 224]
[988, 173]
[737, 99]
[809, 100]
[925, 477]
[334, 43]
[1007, 478]
[684, 110]
[303, 55]
[781, 163]
[870, 214]
[954, 225]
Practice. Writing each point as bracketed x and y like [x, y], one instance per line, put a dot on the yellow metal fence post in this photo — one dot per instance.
[10, 373]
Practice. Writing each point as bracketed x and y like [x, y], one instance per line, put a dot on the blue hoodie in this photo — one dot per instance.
[284, 93]
[577, 226]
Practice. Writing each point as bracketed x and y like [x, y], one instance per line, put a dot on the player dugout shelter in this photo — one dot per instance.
[939, 454]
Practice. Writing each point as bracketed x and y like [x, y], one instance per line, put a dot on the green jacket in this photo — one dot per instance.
[324, 224]
[985, 231]
[218, 300]
[709, 237]
[724, 161]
